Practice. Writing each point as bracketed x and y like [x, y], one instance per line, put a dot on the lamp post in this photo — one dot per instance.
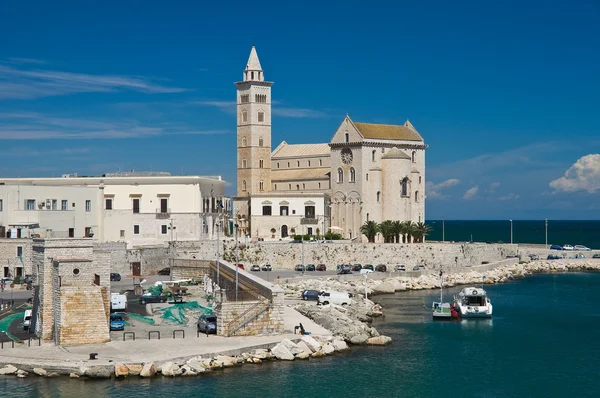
[237, 259]
[172, 228]
[546, 222]
[511, 232]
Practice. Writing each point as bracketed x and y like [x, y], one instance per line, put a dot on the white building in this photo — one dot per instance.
[137, 208]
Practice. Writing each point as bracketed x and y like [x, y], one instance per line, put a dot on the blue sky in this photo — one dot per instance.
[505, 93]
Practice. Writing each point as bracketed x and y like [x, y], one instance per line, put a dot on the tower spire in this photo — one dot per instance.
[253, 71]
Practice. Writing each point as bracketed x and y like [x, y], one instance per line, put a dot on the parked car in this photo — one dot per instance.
[553, 257]
[310, 295]
[310, 267]
[416, 268]
[27, 319]
[356, 267]
[567, 247]
[581, 247]
[207, 324]
[534, 257]
[299, 267]
[255, 267]
[267, 267]
[321, 267]
[338, 298]
[556, 247]
[165, 271]
[345, 269]
[241, 266]
[114, 277]
[152, 298]
[368, 266]
[381, 268]
[597, 255]
[365, 271]
[400, 268]
[117, 322]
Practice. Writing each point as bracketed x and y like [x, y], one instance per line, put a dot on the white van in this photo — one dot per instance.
[118, 302]
[338, 298]
[27, 319]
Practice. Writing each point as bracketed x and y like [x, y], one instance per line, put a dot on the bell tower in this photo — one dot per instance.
[253, 130]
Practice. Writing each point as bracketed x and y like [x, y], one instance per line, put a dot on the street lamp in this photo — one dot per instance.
[546, 222]
[511, 232]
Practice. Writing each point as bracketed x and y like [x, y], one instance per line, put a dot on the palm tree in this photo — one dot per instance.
[387, 230]
[397, 228]
[421, 230]
[408, 230]
[370, 230]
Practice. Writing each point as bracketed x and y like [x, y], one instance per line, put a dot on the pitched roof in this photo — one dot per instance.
[286, 150]
[300, 174]
[405, 132]
[395, 153]
[253, 62]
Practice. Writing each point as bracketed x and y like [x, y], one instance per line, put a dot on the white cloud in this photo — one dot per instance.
[433, 191]
[510, 196]
[16, 60]
[229, 107]
[493, 187]
[583, 175]
[34, 126]
[471, 192]
[35, 83]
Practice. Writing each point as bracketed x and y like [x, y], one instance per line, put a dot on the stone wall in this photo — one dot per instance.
[119, 262]
[82, 316]
[432, 255]
[269, 319]
[188, 269]
[152, 258]
[9, 258]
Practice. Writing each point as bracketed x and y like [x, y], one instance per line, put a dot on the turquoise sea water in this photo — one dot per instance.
[542, 342]
[560, 232]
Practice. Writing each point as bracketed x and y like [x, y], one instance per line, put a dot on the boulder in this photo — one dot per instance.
[196, 365]
[225, 361]
[359, 339]
[282, 352]
[73, 375]
[188, 371]
[305, 349]
[120, 370]
[318, 354]
[383, 288]
[328, 349]
[339, 345]
[303, 355]
[40, 372]
[21, 373]
[98, 372]
[148, 370]
[53, 374]
[259, 353]
[290, 345]
[170, 369]
[379, 340]
[8, 370]
[135, 369]
[256, 360]
[313, 344]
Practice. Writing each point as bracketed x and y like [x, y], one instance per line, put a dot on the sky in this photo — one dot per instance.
[506, 94]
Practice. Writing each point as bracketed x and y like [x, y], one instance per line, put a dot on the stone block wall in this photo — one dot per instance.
[82, 315]
[188, 269]
[9, 258]
[152, 258]
[118, 256]
[266, 323]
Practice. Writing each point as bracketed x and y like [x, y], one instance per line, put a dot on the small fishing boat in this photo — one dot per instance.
[472, 302]
[441, 310]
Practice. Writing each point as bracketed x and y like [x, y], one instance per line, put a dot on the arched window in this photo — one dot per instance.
[244, 163]
[340, 175]
[416, 196]
[347, 137]
[420, 179]
[261, 185]
[261, 163]
[352, 174]
[289, 187]
[298, 163]
[303, 186]
[297, 187]
[319, 185]
[373, 155]
[244, 116]
[367, 216]
[367, 176]
[284, 231]
[288, 165]
[378, 196]
[261, 116]
[405, 187]
[243, 185]
[414, 156]
[244, 141]
[320, 162]
[309, 163]
[260, 141]
[277, 164]
[276, 187]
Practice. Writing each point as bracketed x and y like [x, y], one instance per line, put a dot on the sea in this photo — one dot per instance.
[542, 342]
[560, 232]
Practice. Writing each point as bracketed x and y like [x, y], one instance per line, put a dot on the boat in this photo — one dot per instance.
[441, 310]
[472, 302]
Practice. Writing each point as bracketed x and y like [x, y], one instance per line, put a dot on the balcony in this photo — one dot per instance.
[309, 221]
[161, 215]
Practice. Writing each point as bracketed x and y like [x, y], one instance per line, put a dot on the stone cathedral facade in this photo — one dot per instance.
[367, 172]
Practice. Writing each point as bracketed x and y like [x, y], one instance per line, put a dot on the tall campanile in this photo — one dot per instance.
[253, 134]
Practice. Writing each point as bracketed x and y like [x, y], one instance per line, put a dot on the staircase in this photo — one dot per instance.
[248, 316]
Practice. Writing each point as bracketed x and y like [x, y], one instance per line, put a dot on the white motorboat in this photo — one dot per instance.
[472, 302]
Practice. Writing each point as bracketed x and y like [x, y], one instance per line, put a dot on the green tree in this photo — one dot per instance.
[398, 231]
[420, 231]
[370, 230]
[387, 230]
[408, 229]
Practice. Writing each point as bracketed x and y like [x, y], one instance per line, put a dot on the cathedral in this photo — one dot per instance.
[367, 172]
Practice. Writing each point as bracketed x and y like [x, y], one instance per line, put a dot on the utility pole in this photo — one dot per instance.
[171, 227]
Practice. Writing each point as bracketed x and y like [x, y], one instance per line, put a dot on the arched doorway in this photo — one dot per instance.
[284, 231]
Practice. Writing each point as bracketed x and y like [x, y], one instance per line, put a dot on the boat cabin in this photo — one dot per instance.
[473, 297]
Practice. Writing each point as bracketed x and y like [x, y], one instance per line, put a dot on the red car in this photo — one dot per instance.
[241, 266]
[321, 267]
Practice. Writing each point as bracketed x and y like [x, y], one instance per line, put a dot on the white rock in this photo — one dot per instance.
[313, 344]
[339, 345]
[328, 349]
[225, 361]
[260, 353]
[290, 345]
[8, 370]
[40, 372]
[282, 352]
[304, 347]
[188, 371]
[170, 369]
